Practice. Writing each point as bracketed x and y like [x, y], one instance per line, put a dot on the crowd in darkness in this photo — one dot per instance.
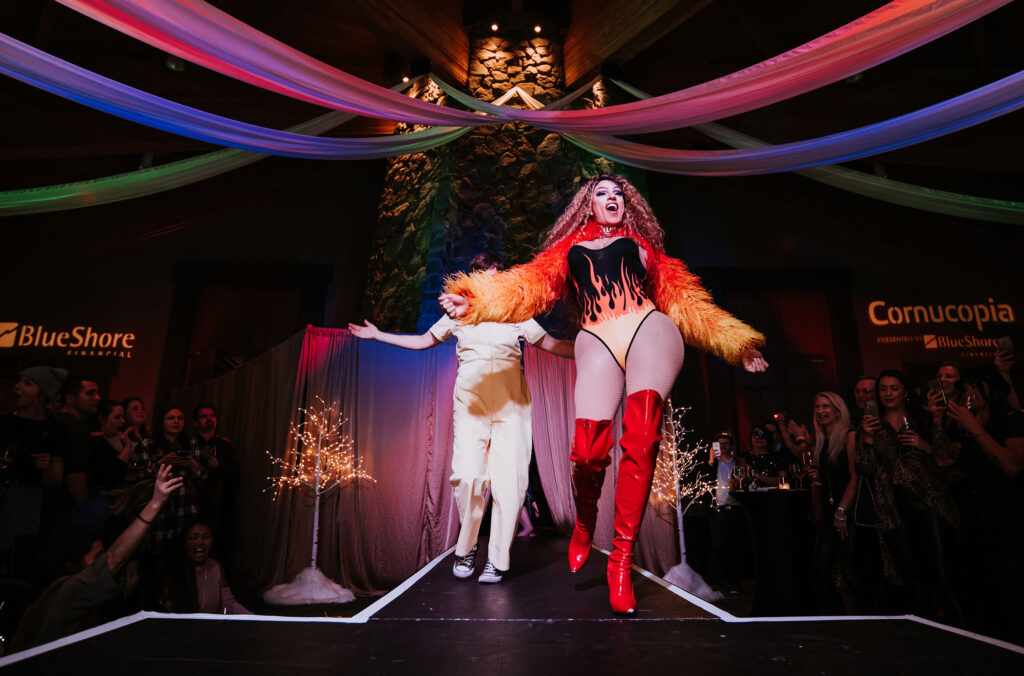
[918, 494]
[102, 515]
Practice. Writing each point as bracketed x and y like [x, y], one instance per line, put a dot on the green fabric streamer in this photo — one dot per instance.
[152, 180]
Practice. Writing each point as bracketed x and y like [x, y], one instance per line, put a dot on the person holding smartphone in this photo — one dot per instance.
[167, 448]
[898, 444]
[726, 521]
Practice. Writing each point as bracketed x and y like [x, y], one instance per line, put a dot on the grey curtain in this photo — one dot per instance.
[398, 405]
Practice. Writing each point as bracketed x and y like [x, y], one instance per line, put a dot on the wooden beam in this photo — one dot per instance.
[420, 29]
[614, 31]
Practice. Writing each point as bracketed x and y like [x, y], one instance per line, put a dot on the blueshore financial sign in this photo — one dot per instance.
[73, 341]
[965, 330]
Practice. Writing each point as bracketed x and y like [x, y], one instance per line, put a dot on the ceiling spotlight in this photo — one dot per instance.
[536, 29]
[405, 78]
[494, 26]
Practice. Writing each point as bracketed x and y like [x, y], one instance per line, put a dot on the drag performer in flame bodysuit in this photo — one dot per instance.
[637, 308]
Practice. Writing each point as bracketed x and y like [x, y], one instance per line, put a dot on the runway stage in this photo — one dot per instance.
[539, 620]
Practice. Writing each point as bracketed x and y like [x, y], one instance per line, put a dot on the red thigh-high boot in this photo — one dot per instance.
[590, 446]
[641, 437]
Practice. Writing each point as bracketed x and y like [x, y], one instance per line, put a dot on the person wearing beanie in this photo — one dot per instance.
[49, 379]
[32, 449]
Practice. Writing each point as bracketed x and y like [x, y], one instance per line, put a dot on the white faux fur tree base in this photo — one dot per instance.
[684, 577]
[309, 587]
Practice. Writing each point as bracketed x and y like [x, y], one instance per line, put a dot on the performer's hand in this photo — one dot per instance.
[368, 332]
[455, 305]
[753, 360]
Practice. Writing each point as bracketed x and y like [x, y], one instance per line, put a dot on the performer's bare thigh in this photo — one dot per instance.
[655, 356]
[599, 379]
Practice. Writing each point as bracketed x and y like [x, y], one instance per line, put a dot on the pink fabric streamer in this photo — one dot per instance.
[204, 35]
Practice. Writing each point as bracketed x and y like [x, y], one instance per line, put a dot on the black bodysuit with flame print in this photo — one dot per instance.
[609, 284]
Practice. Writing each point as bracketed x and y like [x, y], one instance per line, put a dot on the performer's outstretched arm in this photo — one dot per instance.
[408, 341]
[678, 293]
[514, 295]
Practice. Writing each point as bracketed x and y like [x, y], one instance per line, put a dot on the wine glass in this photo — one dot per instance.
[738, 474]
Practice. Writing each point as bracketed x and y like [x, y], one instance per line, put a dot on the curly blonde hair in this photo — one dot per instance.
[637, 219]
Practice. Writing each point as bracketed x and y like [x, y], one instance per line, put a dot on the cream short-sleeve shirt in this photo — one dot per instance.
[488, 341]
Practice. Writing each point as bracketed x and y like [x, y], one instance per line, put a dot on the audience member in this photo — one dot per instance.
[914, 510]
[111, 448]
[765, 462]
[95, 577]
[79, 399]
[991, 546]
[217, 492]
[949, 376]
[32, 449]
[109, 453]
[727, 521]
[1004, 367]
[833, 466]
[195, 582]
[166, 448]
[135, 419]
[864, 390]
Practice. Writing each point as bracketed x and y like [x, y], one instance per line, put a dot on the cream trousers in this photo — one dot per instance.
[492, 448]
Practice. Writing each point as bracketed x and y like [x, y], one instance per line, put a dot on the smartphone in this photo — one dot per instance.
[716, 449]
[871, 408]
[935, 384]
[1004, 344]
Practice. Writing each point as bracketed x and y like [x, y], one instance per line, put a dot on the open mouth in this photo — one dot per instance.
[612, 207]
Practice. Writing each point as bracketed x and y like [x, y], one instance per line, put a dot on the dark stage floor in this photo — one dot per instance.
[539, 620]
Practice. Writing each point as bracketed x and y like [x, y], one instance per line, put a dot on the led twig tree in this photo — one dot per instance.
[322, 459]
[678, 481]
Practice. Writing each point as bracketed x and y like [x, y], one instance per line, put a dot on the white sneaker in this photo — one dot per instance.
[464, 565]
[491, 575]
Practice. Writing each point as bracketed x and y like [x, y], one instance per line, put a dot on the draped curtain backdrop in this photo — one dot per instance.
[398, 404]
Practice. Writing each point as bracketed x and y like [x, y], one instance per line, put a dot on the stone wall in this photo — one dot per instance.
[496, 189]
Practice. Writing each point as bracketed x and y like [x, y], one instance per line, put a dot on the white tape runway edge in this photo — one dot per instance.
[364, 615]
[728, 617]
[359, 618]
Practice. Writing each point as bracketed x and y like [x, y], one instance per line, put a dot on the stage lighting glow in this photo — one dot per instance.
[405, 78]
[494, 26]
[537, 29]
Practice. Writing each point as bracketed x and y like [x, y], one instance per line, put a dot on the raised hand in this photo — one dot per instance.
[165, 484]
[797, 430]
[965, 418]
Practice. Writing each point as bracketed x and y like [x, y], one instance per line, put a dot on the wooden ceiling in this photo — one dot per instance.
[659, 46]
